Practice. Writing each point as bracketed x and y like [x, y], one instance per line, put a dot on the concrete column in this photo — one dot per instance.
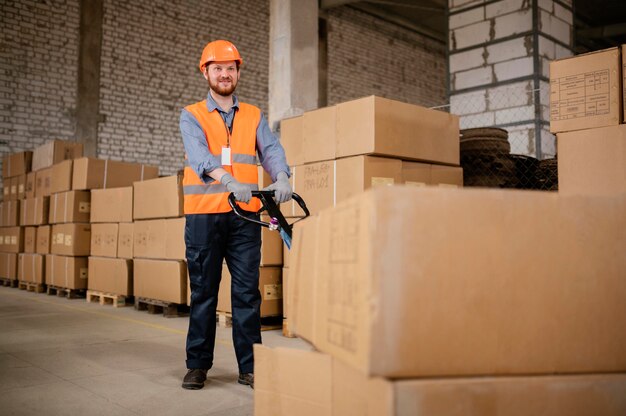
[293, 76]
[499, 54]
[88, 94]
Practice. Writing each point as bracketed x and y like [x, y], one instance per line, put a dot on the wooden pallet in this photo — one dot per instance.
[224, 319]
[8, 282]
[154, 306]
[32, 286]
[268, 323]
[286, 332]
[65, 292]
[104, 298]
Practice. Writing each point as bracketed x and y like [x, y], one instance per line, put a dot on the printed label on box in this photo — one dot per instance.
[20, 189]
[272, 292]
[380, 181]
[581, 95]
[68, 240]
[13, 240]
[418, 184]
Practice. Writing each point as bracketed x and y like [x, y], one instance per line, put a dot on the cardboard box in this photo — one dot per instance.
[423, 174]
[31, 268]
[43, 239]
[332, 388]
[159, 239]
[10, 213]
[90, 173]
[125, 240]
[12, 239]
[29, 186]
[291, 140]
[111, 275]
[315, 183]
[8, 266]
[6, 189]
[55, 151]
[104, 240]
[71, 206]
[158, 198]
[383, 127]
[66, 272]
[319, 141]
[43, 182]
[30, 239]
[585, 91]
[61, 180]
[34, 211]
[112, 205]
[71, 239]
[12, 188]
[286, 253]
[16, 164]
[356, 174]
[271, 246]
[285, 291]
[485, 282]
[270, 286]
[161, 280]
[624, 81]
[593, 162]
[20, 186]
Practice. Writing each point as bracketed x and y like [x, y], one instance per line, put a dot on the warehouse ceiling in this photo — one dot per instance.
[599, 24]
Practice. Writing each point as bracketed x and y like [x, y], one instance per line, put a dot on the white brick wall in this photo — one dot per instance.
[504, 7]
[466, 17]
[369, 56]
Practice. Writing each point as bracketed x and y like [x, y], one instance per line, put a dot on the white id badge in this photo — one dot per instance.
[226, 156]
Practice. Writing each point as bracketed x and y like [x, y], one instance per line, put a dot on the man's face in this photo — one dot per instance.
[222, 77]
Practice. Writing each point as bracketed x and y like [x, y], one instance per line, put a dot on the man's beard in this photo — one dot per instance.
[223, 91]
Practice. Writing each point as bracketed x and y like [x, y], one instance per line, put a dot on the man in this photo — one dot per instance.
[222, 138]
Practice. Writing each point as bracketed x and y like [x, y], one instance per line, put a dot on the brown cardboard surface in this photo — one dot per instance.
[485, 282]
[158, 198]
[161, 280]
[125, 240]
[8, 265]
[12, 239]
[43, 182]
[71, 206]
[356, 174]
[16, 164]
[34, 211]
[43, 239]
[111, 275]
[159, 239]
[285, 292]
[71, 239]
[291, 139]
[585, 91]
[319, 141]
[271, 246]
[315, 183]
[30, 239]
[31, 268]
[280, 389]
[379, 126]
[6, 189]
[422, 174]
[104, 240]
[112, 205]
[55, 151]
[66, 271]
[11, 213]
[90, 173]
[61, 180]
[593, 161]
[286, 253]
[13, 188]
[446, 176]
[29, 185]
[20, 185]
[270, 286]
[624, 81]
[338, 390]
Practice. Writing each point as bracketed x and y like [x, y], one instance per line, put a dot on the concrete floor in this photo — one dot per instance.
[70, 357]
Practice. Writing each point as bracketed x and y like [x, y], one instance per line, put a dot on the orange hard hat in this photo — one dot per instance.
[219, 50]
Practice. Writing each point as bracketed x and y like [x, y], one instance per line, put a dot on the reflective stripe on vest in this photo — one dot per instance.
[212, 198]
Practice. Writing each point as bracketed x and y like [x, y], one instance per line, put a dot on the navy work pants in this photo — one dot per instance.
[211, 238]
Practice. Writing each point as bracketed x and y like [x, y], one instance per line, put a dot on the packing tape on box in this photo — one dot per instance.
[66, 281]
[106, 168]
[33, 264]
[142, 166]
[35, 211]
[54, 217]
[65, 210]
[334, 183]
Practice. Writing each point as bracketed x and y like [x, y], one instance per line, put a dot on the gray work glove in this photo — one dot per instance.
[282, 188]
[242, 192]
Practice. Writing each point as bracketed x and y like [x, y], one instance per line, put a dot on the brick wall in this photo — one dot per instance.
[367, 55]
[38, 70]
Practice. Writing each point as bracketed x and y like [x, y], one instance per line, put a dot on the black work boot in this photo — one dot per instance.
[246, 379]
[194, 379]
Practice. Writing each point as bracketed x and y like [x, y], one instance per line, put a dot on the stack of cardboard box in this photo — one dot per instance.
[456, 301]
[587, 107]
[15, 168]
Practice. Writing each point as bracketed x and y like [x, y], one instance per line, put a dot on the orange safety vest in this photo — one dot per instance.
[202, 198]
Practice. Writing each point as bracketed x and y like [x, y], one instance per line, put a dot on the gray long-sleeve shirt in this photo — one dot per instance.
[270, 152]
